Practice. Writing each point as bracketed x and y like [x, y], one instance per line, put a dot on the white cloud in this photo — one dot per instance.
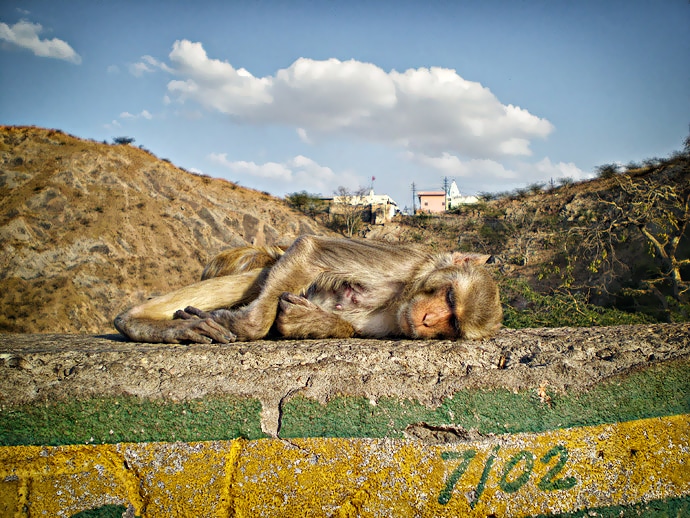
[143, 114]
[303, 136]
[426, 110]
[296, 174]
[112, 124]
[451, 165]
[127, 116]
[139, 69]
[487, 171]
[25, 34]
[147, 65]
[113, 69]
[213, 83]
[546, 168]
[270, 170]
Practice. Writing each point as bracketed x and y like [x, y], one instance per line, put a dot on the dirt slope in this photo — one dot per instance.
[87, 229]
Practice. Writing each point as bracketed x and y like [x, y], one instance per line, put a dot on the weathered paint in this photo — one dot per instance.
[655, 391]
[509, 475]
[130, 419]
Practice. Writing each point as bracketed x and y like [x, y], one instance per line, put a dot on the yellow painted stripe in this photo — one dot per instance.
[513, 475]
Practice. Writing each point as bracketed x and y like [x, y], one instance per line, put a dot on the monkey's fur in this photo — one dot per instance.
[325, 288]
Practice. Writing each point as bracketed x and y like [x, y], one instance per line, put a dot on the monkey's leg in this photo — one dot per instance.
[153, 321]
[294, 272]
[242, 259]
[300, 318]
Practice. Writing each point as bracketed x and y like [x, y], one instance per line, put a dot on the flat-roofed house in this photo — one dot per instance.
[432, 201]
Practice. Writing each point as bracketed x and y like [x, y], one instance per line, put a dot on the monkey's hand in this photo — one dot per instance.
[182, 330]
[240, 323]
[300, 318]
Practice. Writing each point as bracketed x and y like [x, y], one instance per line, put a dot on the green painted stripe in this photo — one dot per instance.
[658, 390]
[130, 419]
[669, 508]
[106, 511]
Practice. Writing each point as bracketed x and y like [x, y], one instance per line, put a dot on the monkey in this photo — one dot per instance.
[323, 287]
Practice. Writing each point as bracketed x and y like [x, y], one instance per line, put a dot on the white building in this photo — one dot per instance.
[455, 199]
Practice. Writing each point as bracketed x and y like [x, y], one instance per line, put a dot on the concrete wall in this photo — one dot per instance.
[532, 422]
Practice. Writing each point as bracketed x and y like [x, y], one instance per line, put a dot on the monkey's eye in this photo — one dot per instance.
[450, 299]
[455, 324]
[453, 321]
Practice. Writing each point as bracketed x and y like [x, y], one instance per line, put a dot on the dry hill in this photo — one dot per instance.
[87, 228]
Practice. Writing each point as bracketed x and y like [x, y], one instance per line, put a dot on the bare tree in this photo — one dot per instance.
[658, 212]
[347, 210]
[523, 225]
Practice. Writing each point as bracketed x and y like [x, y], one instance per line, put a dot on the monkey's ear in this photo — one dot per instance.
[466, 257]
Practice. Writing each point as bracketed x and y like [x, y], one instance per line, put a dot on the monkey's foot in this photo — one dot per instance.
[241, 323]
[200, 327]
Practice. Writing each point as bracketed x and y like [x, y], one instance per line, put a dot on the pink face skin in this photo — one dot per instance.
[429, 316]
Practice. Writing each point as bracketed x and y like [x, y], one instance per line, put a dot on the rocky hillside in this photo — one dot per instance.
[88, 229]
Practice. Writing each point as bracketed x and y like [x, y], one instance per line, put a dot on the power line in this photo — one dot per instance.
[414, 198]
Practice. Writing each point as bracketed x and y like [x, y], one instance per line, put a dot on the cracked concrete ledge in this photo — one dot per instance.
[536, 422]
[49, 368]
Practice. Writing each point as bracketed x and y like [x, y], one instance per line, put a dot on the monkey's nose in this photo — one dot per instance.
[430, 319]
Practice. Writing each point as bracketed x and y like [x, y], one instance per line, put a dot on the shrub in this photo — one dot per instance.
[524, 307]
[536, 187]
[122, 141]
[607, 171]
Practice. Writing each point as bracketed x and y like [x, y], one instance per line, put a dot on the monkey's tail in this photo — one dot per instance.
[242, 259]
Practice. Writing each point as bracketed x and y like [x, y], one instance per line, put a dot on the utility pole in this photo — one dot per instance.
[414, 199]
[445, 192]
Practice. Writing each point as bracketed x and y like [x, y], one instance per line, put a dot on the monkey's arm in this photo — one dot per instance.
[153, 321]
[299, 318]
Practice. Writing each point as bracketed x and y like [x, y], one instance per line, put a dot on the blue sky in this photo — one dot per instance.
[290, 96]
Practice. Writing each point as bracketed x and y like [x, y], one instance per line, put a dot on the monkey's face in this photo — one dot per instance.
[430, 315]
[459, 301]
